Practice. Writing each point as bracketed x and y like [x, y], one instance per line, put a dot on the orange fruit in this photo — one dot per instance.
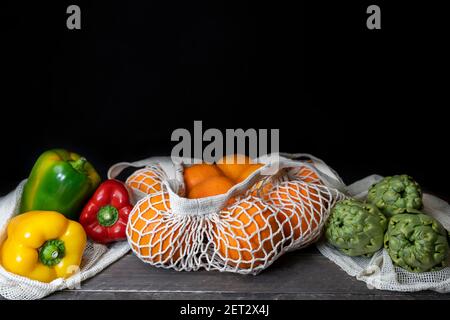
[145, 180]
[237, 167]
[247, 233]
[248, 171]
[307, 175]
[152, 232]
[198, 173]
[261, 189]
[210, 187]
[299, 208]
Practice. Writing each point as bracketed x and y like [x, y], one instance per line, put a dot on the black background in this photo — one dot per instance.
[366, 101]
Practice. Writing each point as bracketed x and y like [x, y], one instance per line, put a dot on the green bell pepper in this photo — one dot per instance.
[60, 181]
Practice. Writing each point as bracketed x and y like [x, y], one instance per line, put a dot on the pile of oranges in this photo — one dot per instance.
[206, 180]
[246, 234]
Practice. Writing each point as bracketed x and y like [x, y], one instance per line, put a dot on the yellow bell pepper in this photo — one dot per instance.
[43, 246]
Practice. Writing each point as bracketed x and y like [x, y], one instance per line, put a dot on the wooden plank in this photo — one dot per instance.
[304, 274]
[132, 295]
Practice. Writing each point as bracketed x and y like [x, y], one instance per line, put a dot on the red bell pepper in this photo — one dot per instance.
[105, 216]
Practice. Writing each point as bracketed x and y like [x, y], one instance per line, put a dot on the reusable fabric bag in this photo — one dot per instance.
[281, 206]
[96, 257]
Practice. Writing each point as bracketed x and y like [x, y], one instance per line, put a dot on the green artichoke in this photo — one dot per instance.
[416, 242]
[396, 194]
[356, 228]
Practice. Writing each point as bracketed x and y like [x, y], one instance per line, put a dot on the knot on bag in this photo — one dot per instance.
[369, 271]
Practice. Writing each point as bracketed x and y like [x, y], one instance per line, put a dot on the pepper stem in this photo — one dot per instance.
[51, 252]
[79, 164]
[107, 216]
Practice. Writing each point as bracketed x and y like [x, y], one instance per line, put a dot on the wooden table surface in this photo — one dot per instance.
[304, 274]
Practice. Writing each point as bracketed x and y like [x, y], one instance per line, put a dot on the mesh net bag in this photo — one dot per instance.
[378, 271]
[96, 257]
[242, 231]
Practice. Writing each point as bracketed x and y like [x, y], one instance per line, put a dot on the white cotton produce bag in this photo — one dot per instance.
[207, 233]
[96, 257]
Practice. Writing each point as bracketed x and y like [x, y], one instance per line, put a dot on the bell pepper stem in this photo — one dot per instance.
[52, 252]
[107, 216]
[79, 164]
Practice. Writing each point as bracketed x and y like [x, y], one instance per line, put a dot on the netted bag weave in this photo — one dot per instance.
[378, 271]
[242, 231]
